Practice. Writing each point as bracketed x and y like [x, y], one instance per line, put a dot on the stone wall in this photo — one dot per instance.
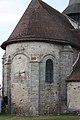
[73, 96]
[27, 91]
[66, 62]
[49, 92]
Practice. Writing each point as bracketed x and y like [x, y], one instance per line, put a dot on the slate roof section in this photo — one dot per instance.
[76, 34]
[73, 2]
[72, 9]
[75, 75]
[40, 22]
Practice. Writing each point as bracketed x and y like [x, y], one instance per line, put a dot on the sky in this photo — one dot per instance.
[11, 12]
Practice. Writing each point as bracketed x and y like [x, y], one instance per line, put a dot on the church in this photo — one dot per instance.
[41, 64]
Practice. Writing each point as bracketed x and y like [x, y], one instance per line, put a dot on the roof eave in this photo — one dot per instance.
[38, 39]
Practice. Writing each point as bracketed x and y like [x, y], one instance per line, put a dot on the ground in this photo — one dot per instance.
[9, 117]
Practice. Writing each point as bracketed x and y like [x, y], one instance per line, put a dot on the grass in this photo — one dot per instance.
[9, 117]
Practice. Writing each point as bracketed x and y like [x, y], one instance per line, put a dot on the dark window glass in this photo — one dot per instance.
[49, 71]
[6, 100]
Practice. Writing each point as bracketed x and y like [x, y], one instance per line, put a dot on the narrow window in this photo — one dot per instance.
[49, 71]
[6, 100]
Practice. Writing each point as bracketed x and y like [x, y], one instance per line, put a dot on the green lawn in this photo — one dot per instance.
[8, 117]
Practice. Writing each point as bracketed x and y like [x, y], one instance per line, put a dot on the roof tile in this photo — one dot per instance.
[40, 22]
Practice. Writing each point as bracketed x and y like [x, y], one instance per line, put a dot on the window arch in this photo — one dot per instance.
[49, 71]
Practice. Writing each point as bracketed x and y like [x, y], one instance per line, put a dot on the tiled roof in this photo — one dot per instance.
[75, 75]
[74, 2]
[74, 8]
[40, 22]
[76, 34]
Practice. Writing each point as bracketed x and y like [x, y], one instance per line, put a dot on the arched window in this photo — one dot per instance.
[49, 71]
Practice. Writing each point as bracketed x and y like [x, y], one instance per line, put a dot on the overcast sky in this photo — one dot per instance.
[10, 13]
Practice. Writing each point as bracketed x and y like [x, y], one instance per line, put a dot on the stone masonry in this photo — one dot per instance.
[26, 88]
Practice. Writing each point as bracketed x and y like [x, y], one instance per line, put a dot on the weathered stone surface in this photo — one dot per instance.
[29, 93]
[73, 96]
